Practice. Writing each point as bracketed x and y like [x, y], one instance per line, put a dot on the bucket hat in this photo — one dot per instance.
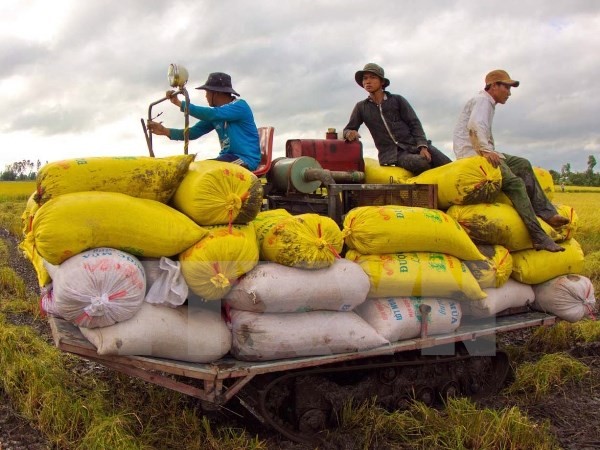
[218, 82]
[372, 68]
[500, 76]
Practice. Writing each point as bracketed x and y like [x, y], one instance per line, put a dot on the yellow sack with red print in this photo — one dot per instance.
[265, 220]
[71, 223]
[535, 267]
[422, 274]
[306, 241]
[495, 270]
[497, 224]
[31, 208]
[373, 230]
[377, 174]
[26, 246]
[466, 181]
[219, 193]
[137, 176]
[212, 266]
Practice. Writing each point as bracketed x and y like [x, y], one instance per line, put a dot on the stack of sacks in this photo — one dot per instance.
[412, 255]
[498, 224]
[217, 195]
[299, 301]
[120, 205]
[152, 179]
[278, 311]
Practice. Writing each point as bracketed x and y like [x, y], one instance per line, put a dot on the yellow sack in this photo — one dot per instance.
[546, 181]
[535, 267]
[219, 193]
[421, 274]
[497, 224]
[265, 220]
[31, 208]
[72, 223]
[376, 174]
[137, 176]
[306, 241]
[26, 246]
[466, 181]
[373, 230]
[211, 266]
[568, 231]
[495, 270]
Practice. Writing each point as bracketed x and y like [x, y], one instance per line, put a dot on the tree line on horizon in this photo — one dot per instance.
[27, 170]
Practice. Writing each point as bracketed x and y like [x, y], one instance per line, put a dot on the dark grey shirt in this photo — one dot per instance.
[402, 121]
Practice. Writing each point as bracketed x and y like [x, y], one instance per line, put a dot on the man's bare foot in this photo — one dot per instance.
[557, 221]
[548, 245]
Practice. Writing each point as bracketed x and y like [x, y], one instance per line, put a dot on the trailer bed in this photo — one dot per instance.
[165, 372]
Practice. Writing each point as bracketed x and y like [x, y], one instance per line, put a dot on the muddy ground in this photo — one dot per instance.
[573, 412]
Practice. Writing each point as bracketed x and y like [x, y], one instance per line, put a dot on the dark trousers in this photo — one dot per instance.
[416, 164]
[520, 184]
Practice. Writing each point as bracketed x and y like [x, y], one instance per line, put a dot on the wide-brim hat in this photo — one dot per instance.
[500, 76]
[218, 82]
[372, 68]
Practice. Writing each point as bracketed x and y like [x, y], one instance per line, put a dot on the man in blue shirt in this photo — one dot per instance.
[231, 117]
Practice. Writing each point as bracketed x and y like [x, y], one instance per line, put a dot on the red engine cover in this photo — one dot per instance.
[332, 154]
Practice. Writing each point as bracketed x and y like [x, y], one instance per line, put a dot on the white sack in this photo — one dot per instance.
[165, 284]
[399, 318]
[98, 287]
[194, 334]
[266, 336]
[570, 297]
[511, 294]
[275, 288]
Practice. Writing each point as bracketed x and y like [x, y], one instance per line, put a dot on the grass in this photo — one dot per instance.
[16, 190]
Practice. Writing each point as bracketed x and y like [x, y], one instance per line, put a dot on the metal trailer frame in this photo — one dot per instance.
[212, 376]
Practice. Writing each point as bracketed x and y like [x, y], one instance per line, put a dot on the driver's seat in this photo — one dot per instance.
[265, 135]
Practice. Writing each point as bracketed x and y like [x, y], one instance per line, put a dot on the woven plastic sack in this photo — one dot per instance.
[377, 174]
[185, 333]
[271, 287]
[399, 318]
[72, 223]
[535, 267]
[265, 220]
[306, 241]
[218, 193]
[213, 265]
[165, 284]
[570, 297]
[568, 231]
[511, 294]
[31, 253]
[497, 224]
[268, 336]
[372, 230]
[495, 270]
[544, 177]
[466, 181]
[137, 176]
[98, 287]
[418, 274]
[31, 208]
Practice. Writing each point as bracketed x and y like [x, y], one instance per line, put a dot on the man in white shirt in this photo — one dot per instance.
[473, 136]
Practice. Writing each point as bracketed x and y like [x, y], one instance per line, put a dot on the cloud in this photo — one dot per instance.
[88, 72]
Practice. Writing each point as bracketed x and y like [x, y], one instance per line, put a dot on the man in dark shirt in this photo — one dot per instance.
[393, 124]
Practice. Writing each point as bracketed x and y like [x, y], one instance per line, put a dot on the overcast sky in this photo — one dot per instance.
[77, 76]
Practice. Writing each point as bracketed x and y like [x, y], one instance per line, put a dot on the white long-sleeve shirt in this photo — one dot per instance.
[473, 131]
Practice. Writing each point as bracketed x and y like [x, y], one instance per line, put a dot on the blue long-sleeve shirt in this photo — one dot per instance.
[234, 123]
